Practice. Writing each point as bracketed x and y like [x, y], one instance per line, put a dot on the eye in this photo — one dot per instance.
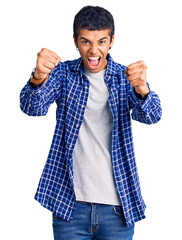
[102, 42]
[85, 42]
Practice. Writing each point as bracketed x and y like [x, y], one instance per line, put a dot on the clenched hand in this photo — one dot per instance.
[136, 74]
[46, 61]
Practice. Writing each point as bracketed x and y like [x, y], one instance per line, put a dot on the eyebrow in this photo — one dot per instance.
[98, 40]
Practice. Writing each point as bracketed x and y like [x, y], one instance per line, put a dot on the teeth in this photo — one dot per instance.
[93, 58]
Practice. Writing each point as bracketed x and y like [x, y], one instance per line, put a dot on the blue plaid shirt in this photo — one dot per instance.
[69, 88]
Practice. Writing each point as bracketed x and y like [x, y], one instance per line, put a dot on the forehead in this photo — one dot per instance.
[94, 34]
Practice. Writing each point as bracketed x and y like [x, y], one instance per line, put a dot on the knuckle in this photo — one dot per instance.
[38, 54]
[141, 73]
[48, 71]
[43, 49]
[128, 72]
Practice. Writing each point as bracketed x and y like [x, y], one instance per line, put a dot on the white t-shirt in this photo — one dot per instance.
[92, 164]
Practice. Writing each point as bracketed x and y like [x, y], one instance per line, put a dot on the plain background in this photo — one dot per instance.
[145, 30]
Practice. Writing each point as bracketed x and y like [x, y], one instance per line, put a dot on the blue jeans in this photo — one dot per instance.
[93, 221]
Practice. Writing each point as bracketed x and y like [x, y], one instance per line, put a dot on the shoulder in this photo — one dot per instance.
[120, 67]
[66, 66]
[118, 70]
[115, 68]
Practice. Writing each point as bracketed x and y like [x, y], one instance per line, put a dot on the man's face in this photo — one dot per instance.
[93, 47]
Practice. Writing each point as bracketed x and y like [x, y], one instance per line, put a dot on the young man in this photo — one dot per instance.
[90, 181]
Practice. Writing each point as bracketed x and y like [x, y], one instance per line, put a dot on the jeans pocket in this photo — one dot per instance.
[56, 217]
[118, 210]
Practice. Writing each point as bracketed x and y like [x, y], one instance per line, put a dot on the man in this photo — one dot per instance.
[90, 181]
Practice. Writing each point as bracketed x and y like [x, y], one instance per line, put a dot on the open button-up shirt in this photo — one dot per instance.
[68, 87]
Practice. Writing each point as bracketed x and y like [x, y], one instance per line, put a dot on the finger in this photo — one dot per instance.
[49, 57]
[135, 76]
[43, 66]
[137, 83]
[58, 60]
[44, 70]
[49, 52]
[47, 64]
[132, 65]
[136, 69]
[45, 56]
[134, 83]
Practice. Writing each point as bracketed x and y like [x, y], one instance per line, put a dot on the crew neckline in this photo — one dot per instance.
[87, 72]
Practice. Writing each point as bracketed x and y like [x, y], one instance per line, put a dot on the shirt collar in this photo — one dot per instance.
[77, 65]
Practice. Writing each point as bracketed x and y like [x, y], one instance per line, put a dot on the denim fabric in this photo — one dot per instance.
[93, 221]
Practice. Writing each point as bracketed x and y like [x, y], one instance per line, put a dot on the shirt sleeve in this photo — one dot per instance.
[147, 111]
[36, 101]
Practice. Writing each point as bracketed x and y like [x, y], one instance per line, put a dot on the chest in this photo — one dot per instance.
[83, 96]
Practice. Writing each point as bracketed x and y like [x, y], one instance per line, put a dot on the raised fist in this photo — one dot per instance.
[46, 61]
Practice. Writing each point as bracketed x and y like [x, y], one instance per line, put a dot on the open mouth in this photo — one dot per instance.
[94, 62]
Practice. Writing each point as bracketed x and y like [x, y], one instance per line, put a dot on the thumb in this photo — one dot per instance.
[58, 60]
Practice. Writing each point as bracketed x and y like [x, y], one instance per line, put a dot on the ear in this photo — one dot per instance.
[75, 42]
[112, 41]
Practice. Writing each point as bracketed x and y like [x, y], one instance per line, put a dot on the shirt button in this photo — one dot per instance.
[29, 105]
[77, 125]
[83, 106]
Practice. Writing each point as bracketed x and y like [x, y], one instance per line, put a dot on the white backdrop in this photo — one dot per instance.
[145, 30]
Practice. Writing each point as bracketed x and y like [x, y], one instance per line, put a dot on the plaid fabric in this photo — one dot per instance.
[69, 88]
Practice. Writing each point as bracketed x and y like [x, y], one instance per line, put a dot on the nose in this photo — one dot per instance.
[93, 49]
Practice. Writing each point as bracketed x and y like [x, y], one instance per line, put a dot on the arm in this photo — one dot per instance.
[36, 101]
[37, 95]
[147, 111]
[145, 103]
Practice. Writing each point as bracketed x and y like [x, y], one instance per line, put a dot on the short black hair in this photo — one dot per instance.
[93, 18]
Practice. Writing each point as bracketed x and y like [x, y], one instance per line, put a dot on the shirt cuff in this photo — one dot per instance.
[143, 104]
[33, 90]
[139, 96]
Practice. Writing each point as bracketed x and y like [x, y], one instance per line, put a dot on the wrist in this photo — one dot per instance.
[35, 80]
[38, 76]
[142, 91]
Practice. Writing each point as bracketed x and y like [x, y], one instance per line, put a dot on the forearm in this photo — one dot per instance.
[147, 111]
[35, 101]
